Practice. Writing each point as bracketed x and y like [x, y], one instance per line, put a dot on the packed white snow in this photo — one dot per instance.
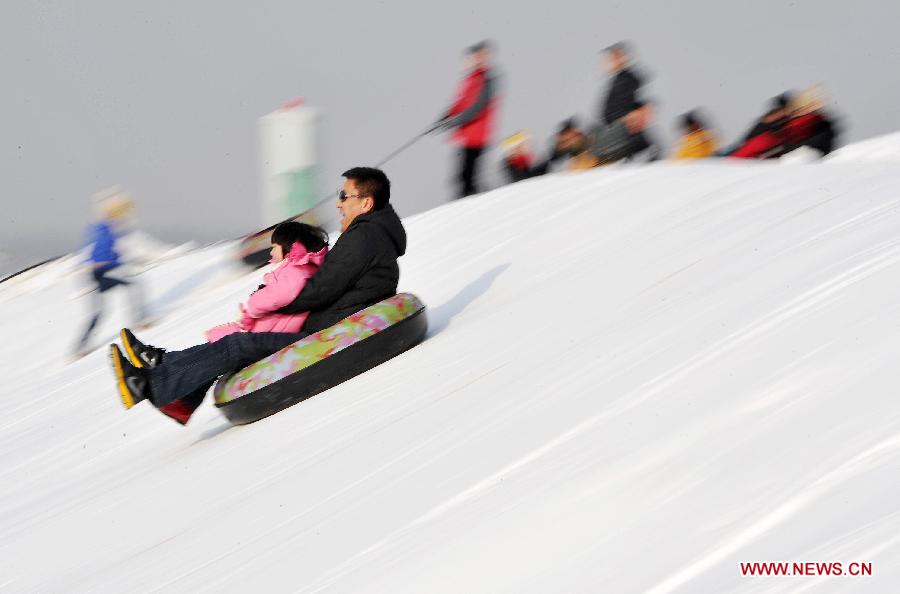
[879, 149]
[635, 379]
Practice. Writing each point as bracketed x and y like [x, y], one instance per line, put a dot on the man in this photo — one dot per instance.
[473, 115]
[359, 271]
[622, 94]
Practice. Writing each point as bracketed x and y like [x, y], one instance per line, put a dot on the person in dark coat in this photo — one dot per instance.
[776, 116]
[568, 142]
[765, 138]
[473, 116]
[769, 142]
[624, 86]
[359, 271]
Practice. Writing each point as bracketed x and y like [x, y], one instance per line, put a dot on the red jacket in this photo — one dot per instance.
[760, 146]
[801, 128]
[475, 107]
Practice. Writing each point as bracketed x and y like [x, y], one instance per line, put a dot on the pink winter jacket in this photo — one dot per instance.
[282, 286]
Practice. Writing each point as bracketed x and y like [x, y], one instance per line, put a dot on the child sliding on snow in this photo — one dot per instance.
[301, 249]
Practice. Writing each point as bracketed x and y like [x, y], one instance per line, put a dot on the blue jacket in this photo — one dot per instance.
[103, 245]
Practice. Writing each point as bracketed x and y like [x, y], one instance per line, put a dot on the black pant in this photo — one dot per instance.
[188, 374]
[468, 170]
[105, 280]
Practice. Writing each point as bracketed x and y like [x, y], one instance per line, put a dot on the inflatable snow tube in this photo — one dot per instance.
[322, 360]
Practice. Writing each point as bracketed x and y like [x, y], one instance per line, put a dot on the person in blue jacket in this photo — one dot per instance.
[107, 265]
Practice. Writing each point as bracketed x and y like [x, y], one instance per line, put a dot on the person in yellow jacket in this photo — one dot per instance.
[697, 141]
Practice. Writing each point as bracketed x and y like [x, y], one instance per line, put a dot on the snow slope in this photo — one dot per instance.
[636, 378]
[884, 148]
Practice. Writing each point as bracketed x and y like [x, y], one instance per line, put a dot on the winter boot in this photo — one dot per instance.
[132, 382]
[141, 355]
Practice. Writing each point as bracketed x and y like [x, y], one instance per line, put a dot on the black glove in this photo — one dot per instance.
[441, 125]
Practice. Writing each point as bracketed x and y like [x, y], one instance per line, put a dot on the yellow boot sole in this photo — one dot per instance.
[131, 356]
[124, 392]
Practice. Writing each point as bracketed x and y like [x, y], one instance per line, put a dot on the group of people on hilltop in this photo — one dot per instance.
[621, 130]
[791, 122]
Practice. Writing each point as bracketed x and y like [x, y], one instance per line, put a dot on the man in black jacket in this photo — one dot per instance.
[622, 94]
[359, 271]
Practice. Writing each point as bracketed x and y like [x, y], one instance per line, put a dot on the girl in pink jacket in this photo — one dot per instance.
[301, 249]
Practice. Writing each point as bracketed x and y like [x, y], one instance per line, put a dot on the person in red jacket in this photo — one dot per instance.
[766, 139]
[472, 116]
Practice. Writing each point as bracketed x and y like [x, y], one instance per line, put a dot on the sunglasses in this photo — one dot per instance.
[342, 196]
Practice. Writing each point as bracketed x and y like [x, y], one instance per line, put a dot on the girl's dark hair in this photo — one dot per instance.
[312, 237]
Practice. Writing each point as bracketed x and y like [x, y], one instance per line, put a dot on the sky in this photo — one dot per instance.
[163, 98]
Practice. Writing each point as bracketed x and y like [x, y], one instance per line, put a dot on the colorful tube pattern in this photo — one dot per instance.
[316, 347]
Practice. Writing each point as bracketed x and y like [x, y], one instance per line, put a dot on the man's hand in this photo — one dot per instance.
[439, 126]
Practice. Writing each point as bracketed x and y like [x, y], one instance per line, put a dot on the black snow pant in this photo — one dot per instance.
[187, 375]
[106, 279]
[468, 170]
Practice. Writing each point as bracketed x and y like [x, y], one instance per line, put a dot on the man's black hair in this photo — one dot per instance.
[286, 234]
[371, 182]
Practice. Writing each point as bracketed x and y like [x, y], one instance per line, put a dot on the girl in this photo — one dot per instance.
[301, 249]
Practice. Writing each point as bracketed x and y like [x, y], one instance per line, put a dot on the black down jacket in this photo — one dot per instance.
[359, 271]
